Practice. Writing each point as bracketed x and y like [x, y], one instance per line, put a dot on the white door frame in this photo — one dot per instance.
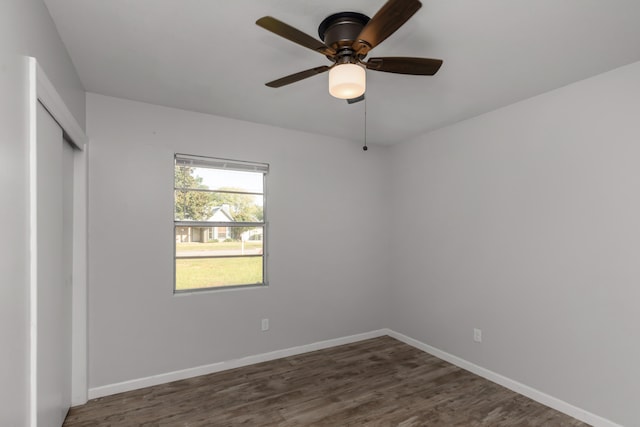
[42, 90]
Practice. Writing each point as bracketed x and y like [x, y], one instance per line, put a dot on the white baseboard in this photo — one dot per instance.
[110, 389]
[516, 386]
[525, 390]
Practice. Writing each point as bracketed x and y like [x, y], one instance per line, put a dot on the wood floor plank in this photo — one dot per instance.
[377, 382]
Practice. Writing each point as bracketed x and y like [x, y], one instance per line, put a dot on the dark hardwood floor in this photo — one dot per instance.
[377, 382]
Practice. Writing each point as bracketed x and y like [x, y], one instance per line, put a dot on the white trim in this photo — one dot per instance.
[41, 89]
[230, 364]
[523, 389]
[33, 246]
[79, 337]
[52, 101]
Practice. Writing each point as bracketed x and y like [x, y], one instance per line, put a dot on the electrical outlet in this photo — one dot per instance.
[477, 335]
[265, 325]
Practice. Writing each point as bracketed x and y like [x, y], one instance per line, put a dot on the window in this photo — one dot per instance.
[219, 223]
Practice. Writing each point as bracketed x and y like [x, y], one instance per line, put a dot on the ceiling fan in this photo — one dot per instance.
[347, 38]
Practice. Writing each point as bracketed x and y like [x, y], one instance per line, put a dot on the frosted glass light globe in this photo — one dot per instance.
[347, 81]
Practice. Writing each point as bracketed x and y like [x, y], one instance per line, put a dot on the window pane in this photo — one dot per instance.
[212, 272]
[217, 179]
[218, 207]
[212, 197]
[237, 207]
[193, 205]
[218, 241]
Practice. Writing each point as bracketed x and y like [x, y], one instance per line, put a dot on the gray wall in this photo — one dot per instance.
[327, 246]
[525, 222]
[25, 29]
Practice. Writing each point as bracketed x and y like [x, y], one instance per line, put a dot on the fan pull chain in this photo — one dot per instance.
[365, 148]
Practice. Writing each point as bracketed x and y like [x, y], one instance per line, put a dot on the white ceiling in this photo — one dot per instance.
[209, 56]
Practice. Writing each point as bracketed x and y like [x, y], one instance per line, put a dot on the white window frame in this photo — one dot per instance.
[223, 164]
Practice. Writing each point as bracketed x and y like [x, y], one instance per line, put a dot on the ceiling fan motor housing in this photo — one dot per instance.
[340, 30]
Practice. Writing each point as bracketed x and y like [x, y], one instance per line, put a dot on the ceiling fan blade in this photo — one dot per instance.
[297, 76]
[292, 34]
[404, 65]
[389, 18]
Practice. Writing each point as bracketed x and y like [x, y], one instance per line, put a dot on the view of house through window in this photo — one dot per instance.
[219, 223]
